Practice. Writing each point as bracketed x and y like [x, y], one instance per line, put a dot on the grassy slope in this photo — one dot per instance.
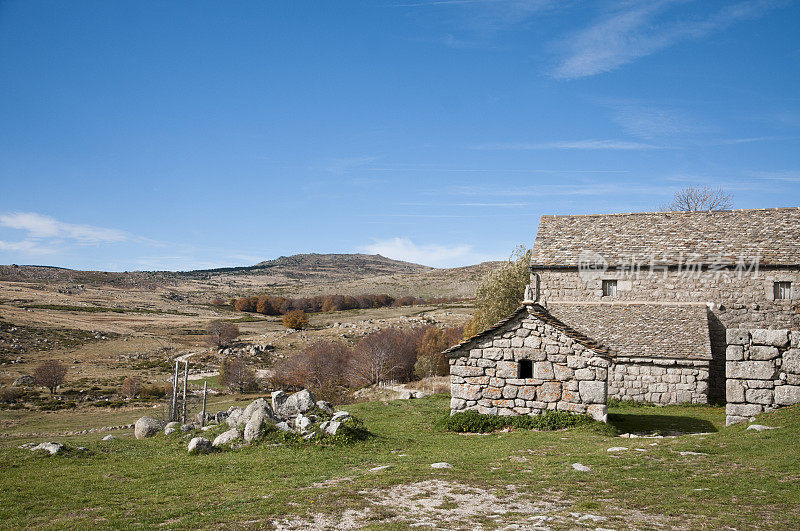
[746, 477]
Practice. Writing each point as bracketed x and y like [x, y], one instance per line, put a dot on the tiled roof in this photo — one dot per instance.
[540, 313]
[649, 330]
[672, 237]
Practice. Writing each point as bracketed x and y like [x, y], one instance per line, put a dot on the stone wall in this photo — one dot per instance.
[567, 376]
[745, 302]
[659, 381]
[763, 371]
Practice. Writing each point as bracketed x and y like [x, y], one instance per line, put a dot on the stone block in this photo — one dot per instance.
[598, 412]
[584, 374]
[477, 380]
[493, 353]
[794, 339]
[760, 352]
[750, 370]
[509, 404]
[759, 396]
[517, 341]
[562, 372]
[737, 336]
[576, 362]
[527, 392]
[523, 332]
[465, 391]
[597, 361]
[570, 396]
[786, 395]
[464, 370]
[734, 391]
[683, 397]
[457, 404]
[483, 410]
[532, 341]
[506, 369]
[592, 392]
[510, 391]
[549, 392]
[501, 343]
[543, 370]
[573, 408]
[743, 410]
[492, 392]
[775, 338]
[791, 361]
[734, 353]
[730, 420]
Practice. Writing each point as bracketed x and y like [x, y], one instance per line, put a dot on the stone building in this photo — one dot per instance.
[660, 293]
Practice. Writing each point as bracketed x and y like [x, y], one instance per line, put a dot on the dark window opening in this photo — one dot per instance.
[609, 288]
[782, 290]
[525, 369]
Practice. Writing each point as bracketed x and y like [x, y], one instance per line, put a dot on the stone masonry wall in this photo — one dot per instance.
[659, 381]
[763, 371]
[566, 375]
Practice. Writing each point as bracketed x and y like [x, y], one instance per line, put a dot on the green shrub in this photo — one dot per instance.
[55, 405]
[473, 422]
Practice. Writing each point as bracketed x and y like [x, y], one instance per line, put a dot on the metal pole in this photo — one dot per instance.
[185, 381]
[203, 415]
[173, 410]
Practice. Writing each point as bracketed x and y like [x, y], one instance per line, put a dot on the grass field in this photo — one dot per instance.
[733, 478]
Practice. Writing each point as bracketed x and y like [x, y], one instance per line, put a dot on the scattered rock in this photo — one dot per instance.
[327, 407]
[226, 437]
[581, 467]
[169, 430]
[331, 427]
[200, 445]
[283, 426]
[340, 416]
[51, 447]
[291, 406]
[234, 416]
[760, 427]
[378, 468]
[258, 405]
[186, 428]
[24, 381]
[441, 465]
[255, 425]
[683, 454]
[146, 427]
[617, 449]
[302, 422]
[406, 395]
[109, 438]
[26, 446]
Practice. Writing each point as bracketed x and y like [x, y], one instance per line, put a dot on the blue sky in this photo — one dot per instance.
[182, 135]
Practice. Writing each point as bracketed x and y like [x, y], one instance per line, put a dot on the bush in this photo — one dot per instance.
[154, 391]
[55, 405]
[49, 374]
[11, 395]
[221, 333]
[321, 367]
[237, 375]
[131, 387]
[296, 319]
[430, 360]
[473, 422]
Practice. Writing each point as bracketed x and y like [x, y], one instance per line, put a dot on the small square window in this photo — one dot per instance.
[782, 290]
[525, 369]
[609, 288]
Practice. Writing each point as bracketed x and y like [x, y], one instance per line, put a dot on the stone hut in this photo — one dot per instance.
[527, 364]
[677, 303]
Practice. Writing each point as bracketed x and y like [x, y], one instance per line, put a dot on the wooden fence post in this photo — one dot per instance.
[203, 416]
[185, 381]
[173, 409]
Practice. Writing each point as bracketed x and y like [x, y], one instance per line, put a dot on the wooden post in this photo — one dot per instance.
[185, 381]
[173, 408]
[203, 415]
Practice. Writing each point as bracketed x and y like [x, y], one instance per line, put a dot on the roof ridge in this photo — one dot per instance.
[670, 212]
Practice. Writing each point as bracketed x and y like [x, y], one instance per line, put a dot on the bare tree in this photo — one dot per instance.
[131, 387]
[700, 198]
[238, 375]
[49, 374]
[383, 355]
[221, 333]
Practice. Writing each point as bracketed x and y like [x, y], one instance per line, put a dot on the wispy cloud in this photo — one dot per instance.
[429, 254]
[40, 226]
[26, 247]
[568, 144]
[650, 121]
[639, 29]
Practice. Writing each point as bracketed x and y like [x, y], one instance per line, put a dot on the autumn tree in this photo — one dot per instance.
[295, 319]
[700, 199]
[321, 367]
[384, 355]
[131, 387]
[49, 374]
[430, 358]
[501, 292]
[221, 333]
[237, 375]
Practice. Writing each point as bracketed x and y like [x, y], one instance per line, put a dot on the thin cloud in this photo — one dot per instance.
[28, 247]
[569, 144]
[429, 254]
[39, 226]
[649, 122]
[635, 32]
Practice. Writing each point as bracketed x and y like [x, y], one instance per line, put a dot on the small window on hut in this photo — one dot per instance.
[525, 369]
[609, 288]
[782, 290]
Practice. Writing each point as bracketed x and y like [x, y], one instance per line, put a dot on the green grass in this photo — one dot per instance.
[743, 479]
[102, 309]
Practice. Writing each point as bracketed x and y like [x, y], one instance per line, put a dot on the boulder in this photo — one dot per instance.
[406, 395]
[302, 422]
[325, 407]
[278, 398]
[331, 427]
[234, 416]
[186, 428]
[441, 465]
[24, 381]
[171, 427]
[226, 437]
[146, 427]
[257, 405]
[580, 467]
[340, 416]
[255, 425]
[109, 438]
[50, 447]
[170, 430]
[283, 426]
[221, 416]
[199, 445]
[299, 402]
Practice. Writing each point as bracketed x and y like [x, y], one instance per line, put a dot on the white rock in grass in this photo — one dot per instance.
[760, 427]
[226, 437]
[617, 449]
[169, 431]
[51, 447]
[441, 465]
[332, 427]
[326, 407]
[109, 438]
[199, 445]
[379, 468]
[147, 427]
[581, 467]
[684, 454]
[340, 416]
